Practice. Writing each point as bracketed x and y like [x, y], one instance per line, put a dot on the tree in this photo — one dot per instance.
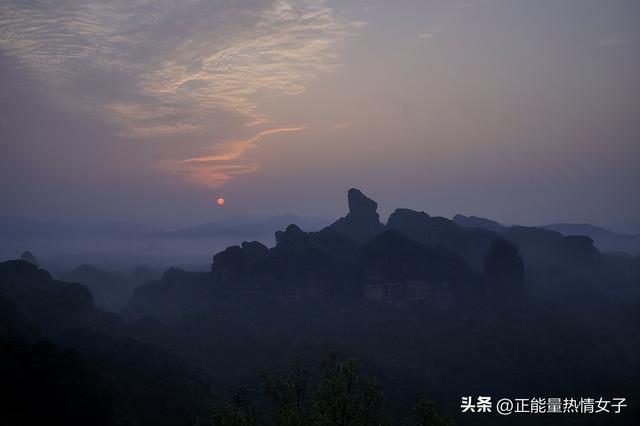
[290, 395]
[340, 397]
[241, 411]
[343, 397]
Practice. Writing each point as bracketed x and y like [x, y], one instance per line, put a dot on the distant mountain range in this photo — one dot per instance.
[241, 227]
[232, 227]
[479, 222]
[247, 227]
[54, 229]
[604, 239]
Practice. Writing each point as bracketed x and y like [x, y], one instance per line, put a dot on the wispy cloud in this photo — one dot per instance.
[235, 149]
[217, 168]
[177, 69]
[342, 125]
[214, 175]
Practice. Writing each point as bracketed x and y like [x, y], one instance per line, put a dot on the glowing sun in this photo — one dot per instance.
[220, 201]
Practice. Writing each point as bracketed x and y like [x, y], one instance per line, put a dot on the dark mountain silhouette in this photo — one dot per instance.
[412, 257]
[543, 248]
[145, 385]
[471, 243]
[325, 259]
[141, 274]
[322, 264]
[109, 290]
[579, 229]
[175, 293]
[409, 296]
[479, 222]
[331, 264]
[27, 256]
[44, 385]
[46, 302]
[503, 265]
[363, 222]
[604, 239]
[394, 257]
[429, 305]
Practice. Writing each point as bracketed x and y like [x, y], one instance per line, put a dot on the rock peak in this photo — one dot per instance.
[362, 223]
[360, 203]
[27, 256]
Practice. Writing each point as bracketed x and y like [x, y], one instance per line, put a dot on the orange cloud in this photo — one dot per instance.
[215, 170]
[233, 150]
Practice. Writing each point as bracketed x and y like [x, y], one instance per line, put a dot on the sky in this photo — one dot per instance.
[525, 111]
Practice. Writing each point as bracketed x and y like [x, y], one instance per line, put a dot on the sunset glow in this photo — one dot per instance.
[508, 105]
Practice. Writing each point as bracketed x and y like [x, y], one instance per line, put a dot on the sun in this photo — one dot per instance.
[220, 201]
